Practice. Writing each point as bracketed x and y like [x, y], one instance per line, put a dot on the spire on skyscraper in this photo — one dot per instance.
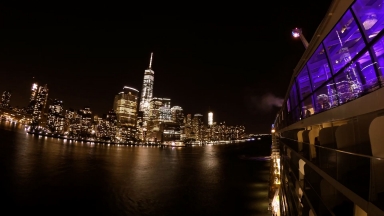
[150, 61]
[147, 90]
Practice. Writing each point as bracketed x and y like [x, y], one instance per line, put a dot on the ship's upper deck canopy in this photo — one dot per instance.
[344, 60]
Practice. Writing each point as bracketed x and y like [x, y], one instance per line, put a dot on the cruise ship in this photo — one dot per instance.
[328, 137]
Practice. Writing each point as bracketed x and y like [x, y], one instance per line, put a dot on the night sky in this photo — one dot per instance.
[235, 60]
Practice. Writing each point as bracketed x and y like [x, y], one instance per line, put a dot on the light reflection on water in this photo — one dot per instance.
[61, 177]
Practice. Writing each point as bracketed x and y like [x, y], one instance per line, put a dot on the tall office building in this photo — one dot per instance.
[55, 120]
[38, 103]
[159, 111]
[125, 106]
[177, 115]
[197, 123]
[6, 99]
[85, 122]
[178, 118]
[32, 99]
[210, 118]
[165, 110]
[147, 90]
[72, 121]
[111, 125]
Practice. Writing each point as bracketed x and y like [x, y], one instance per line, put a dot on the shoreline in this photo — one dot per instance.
[100, 141]
[176, 143]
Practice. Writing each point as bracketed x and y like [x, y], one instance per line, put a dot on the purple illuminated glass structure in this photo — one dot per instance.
[293, 97]
[347, 64]
[370, 14]
[318, 67]
[293, 102]
[343, 42]
[304, 84]
[378, 48]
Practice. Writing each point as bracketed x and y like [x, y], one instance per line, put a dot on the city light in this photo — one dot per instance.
[34, 86]
[210, 118]
[140, 119]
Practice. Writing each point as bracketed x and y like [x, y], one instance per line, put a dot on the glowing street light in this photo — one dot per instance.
[297, 33]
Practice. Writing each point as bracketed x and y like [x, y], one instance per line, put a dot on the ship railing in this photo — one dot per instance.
[359, 175]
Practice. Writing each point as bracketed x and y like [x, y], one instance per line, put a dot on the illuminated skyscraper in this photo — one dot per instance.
[178, 119]
[177, 115]
[72, 122]
[38, 103]
[32, 99]
[210, 118]
[147, 90]
[188, 126]
[111, 125]
[197, 123]
[85, 122]
[55, 120]
[165, 110]
[6, 99]
[125, 106]
[160, 111]
[34, 91]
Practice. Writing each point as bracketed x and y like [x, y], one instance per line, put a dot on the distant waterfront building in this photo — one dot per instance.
[85, 122]
[188, 127]
[55, 119]
[111, 125]
[210, 118]
[140, 129]
[188, 120]
[154, 114]
[34, 91]
[6, 99]
[32, 99]
[38, 103]
[197, 124]
[125, 106]
[177, 115]
[165, 110]
[147, 90]
[178, 118]
[171, 132]
[71, 123]
[160, 111]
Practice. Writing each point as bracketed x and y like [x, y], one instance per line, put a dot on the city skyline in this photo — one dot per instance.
[203, 65]
[144, 104]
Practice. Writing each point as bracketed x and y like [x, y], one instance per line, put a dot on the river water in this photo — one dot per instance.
[50, 176]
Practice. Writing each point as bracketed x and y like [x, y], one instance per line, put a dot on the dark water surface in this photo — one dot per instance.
[49, 176]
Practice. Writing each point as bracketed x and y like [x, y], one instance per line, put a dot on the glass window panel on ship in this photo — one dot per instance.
[366, 71]
[357, 79]
[293, 99]
[296, 114]
[304, 84]
[344, 41]
[307, 107]
[325, 97]
[319, 68]
[371, 15]
[378, 48]
[348, 84]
